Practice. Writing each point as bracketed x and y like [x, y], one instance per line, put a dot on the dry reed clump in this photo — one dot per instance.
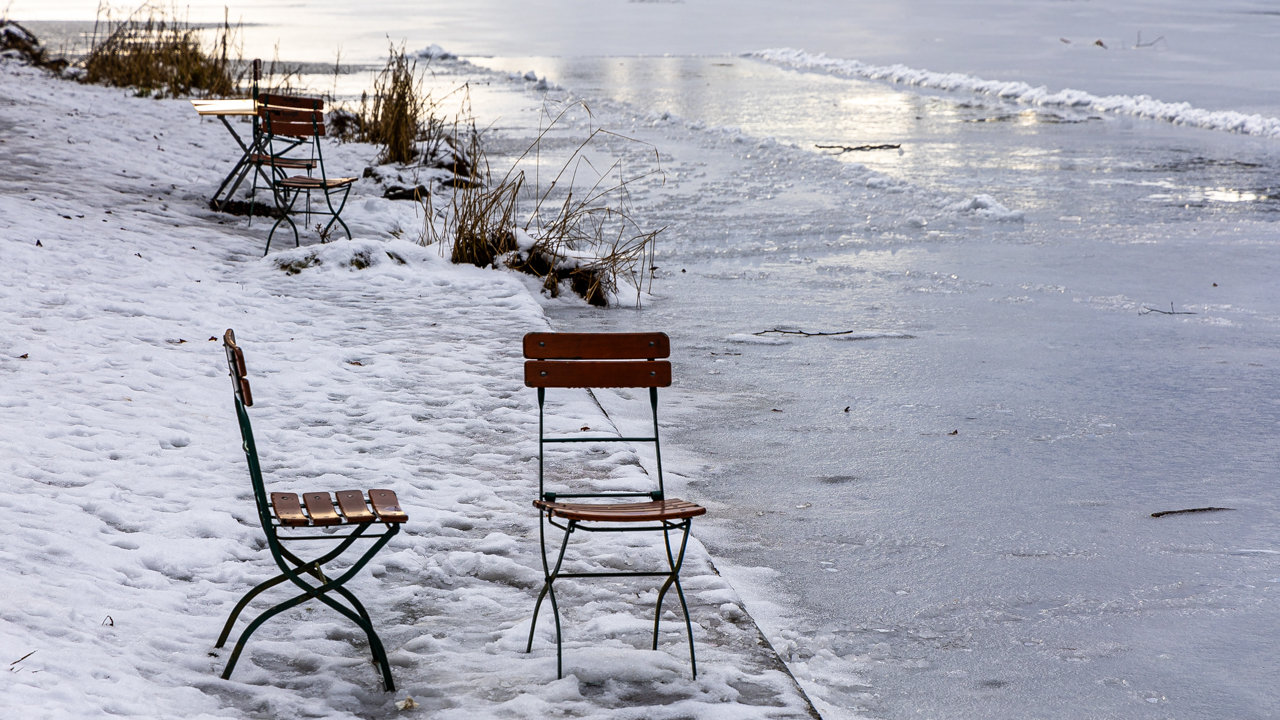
[401, 117]
[158, 55]
[392, 118]
[17, 41]
[588, 238]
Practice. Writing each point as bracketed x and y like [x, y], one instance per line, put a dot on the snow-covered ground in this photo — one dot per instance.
[129, 522]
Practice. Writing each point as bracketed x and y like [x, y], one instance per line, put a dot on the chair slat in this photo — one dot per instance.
[290, 101]
[283, 162]
[288, 509]
[596, 346]
[351, 502]
[672, 509]
[302, 181]
[278, 115]
[597, 374]
[245, 393]
[296, 129]
[320, 507]
[387, 506]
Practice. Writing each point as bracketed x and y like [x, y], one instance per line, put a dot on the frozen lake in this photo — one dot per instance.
[957, 520]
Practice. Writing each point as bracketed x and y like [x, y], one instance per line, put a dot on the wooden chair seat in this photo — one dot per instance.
[655, 511]
[303, 182]
[317, 508]
[282, 162]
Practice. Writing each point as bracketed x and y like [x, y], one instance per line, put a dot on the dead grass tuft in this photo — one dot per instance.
[392, 118]
[151, 51]
[587, 237]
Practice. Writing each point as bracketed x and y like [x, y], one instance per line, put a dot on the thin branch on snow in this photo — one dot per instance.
[858, 148]
[1191, 510]
[802, 332]
[1148, 310]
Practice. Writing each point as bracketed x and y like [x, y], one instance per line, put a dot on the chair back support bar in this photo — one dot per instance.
[292, 123]
[597, 346]
[597, 373]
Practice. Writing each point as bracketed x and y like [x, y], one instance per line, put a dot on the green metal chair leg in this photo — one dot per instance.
[555, 612]
[283, 216]
[235, 614]
[549, 591]
[375, 642]
[337, 213]
[257, 623]
[676, 562]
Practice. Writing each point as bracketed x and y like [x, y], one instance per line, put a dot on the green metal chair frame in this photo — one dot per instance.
[302, 120]
[282, 511]
[600, 360]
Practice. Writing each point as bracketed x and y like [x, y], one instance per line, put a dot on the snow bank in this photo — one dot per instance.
[130, 526]
[1141, 105]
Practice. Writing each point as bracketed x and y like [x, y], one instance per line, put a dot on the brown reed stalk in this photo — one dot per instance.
[157, 54]
[589, 238]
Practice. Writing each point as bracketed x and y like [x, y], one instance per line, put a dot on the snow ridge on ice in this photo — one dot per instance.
[1144, 106]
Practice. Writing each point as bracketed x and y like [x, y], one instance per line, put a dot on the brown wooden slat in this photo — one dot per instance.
[596, 346]
[246, 395]
[290, 101]
[351, 502]
[238, 367]
[288, 163]
[387, 505]
[673, 509]
[295, 129]
[241, 369]
[597, 374]
[288, 509]
[277, 115]
[320, 507]
[302, 181]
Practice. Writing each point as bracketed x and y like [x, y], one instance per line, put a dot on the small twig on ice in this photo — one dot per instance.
[802, 332]
[857, 148]
[1148, 310]
[1192, 510]
[1141, 44]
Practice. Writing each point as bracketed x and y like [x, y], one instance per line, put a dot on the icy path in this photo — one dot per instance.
[129, 523]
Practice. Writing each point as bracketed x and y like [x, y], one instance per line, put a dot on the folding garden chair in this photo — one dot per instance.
[282, 516]
[284, 126]
[283, 153]
[600, 360]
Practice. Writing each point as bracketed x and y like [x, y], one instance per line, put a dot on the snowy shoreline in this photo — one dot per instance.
[133, 530]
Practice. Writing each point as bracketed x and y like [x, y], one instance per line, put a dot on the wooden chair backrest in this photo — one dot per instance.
[291, 123]
[597, 360]
[239, 373]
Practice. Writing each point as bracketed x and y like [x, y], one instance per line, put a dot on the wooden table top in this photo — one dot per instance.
[224, 107]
